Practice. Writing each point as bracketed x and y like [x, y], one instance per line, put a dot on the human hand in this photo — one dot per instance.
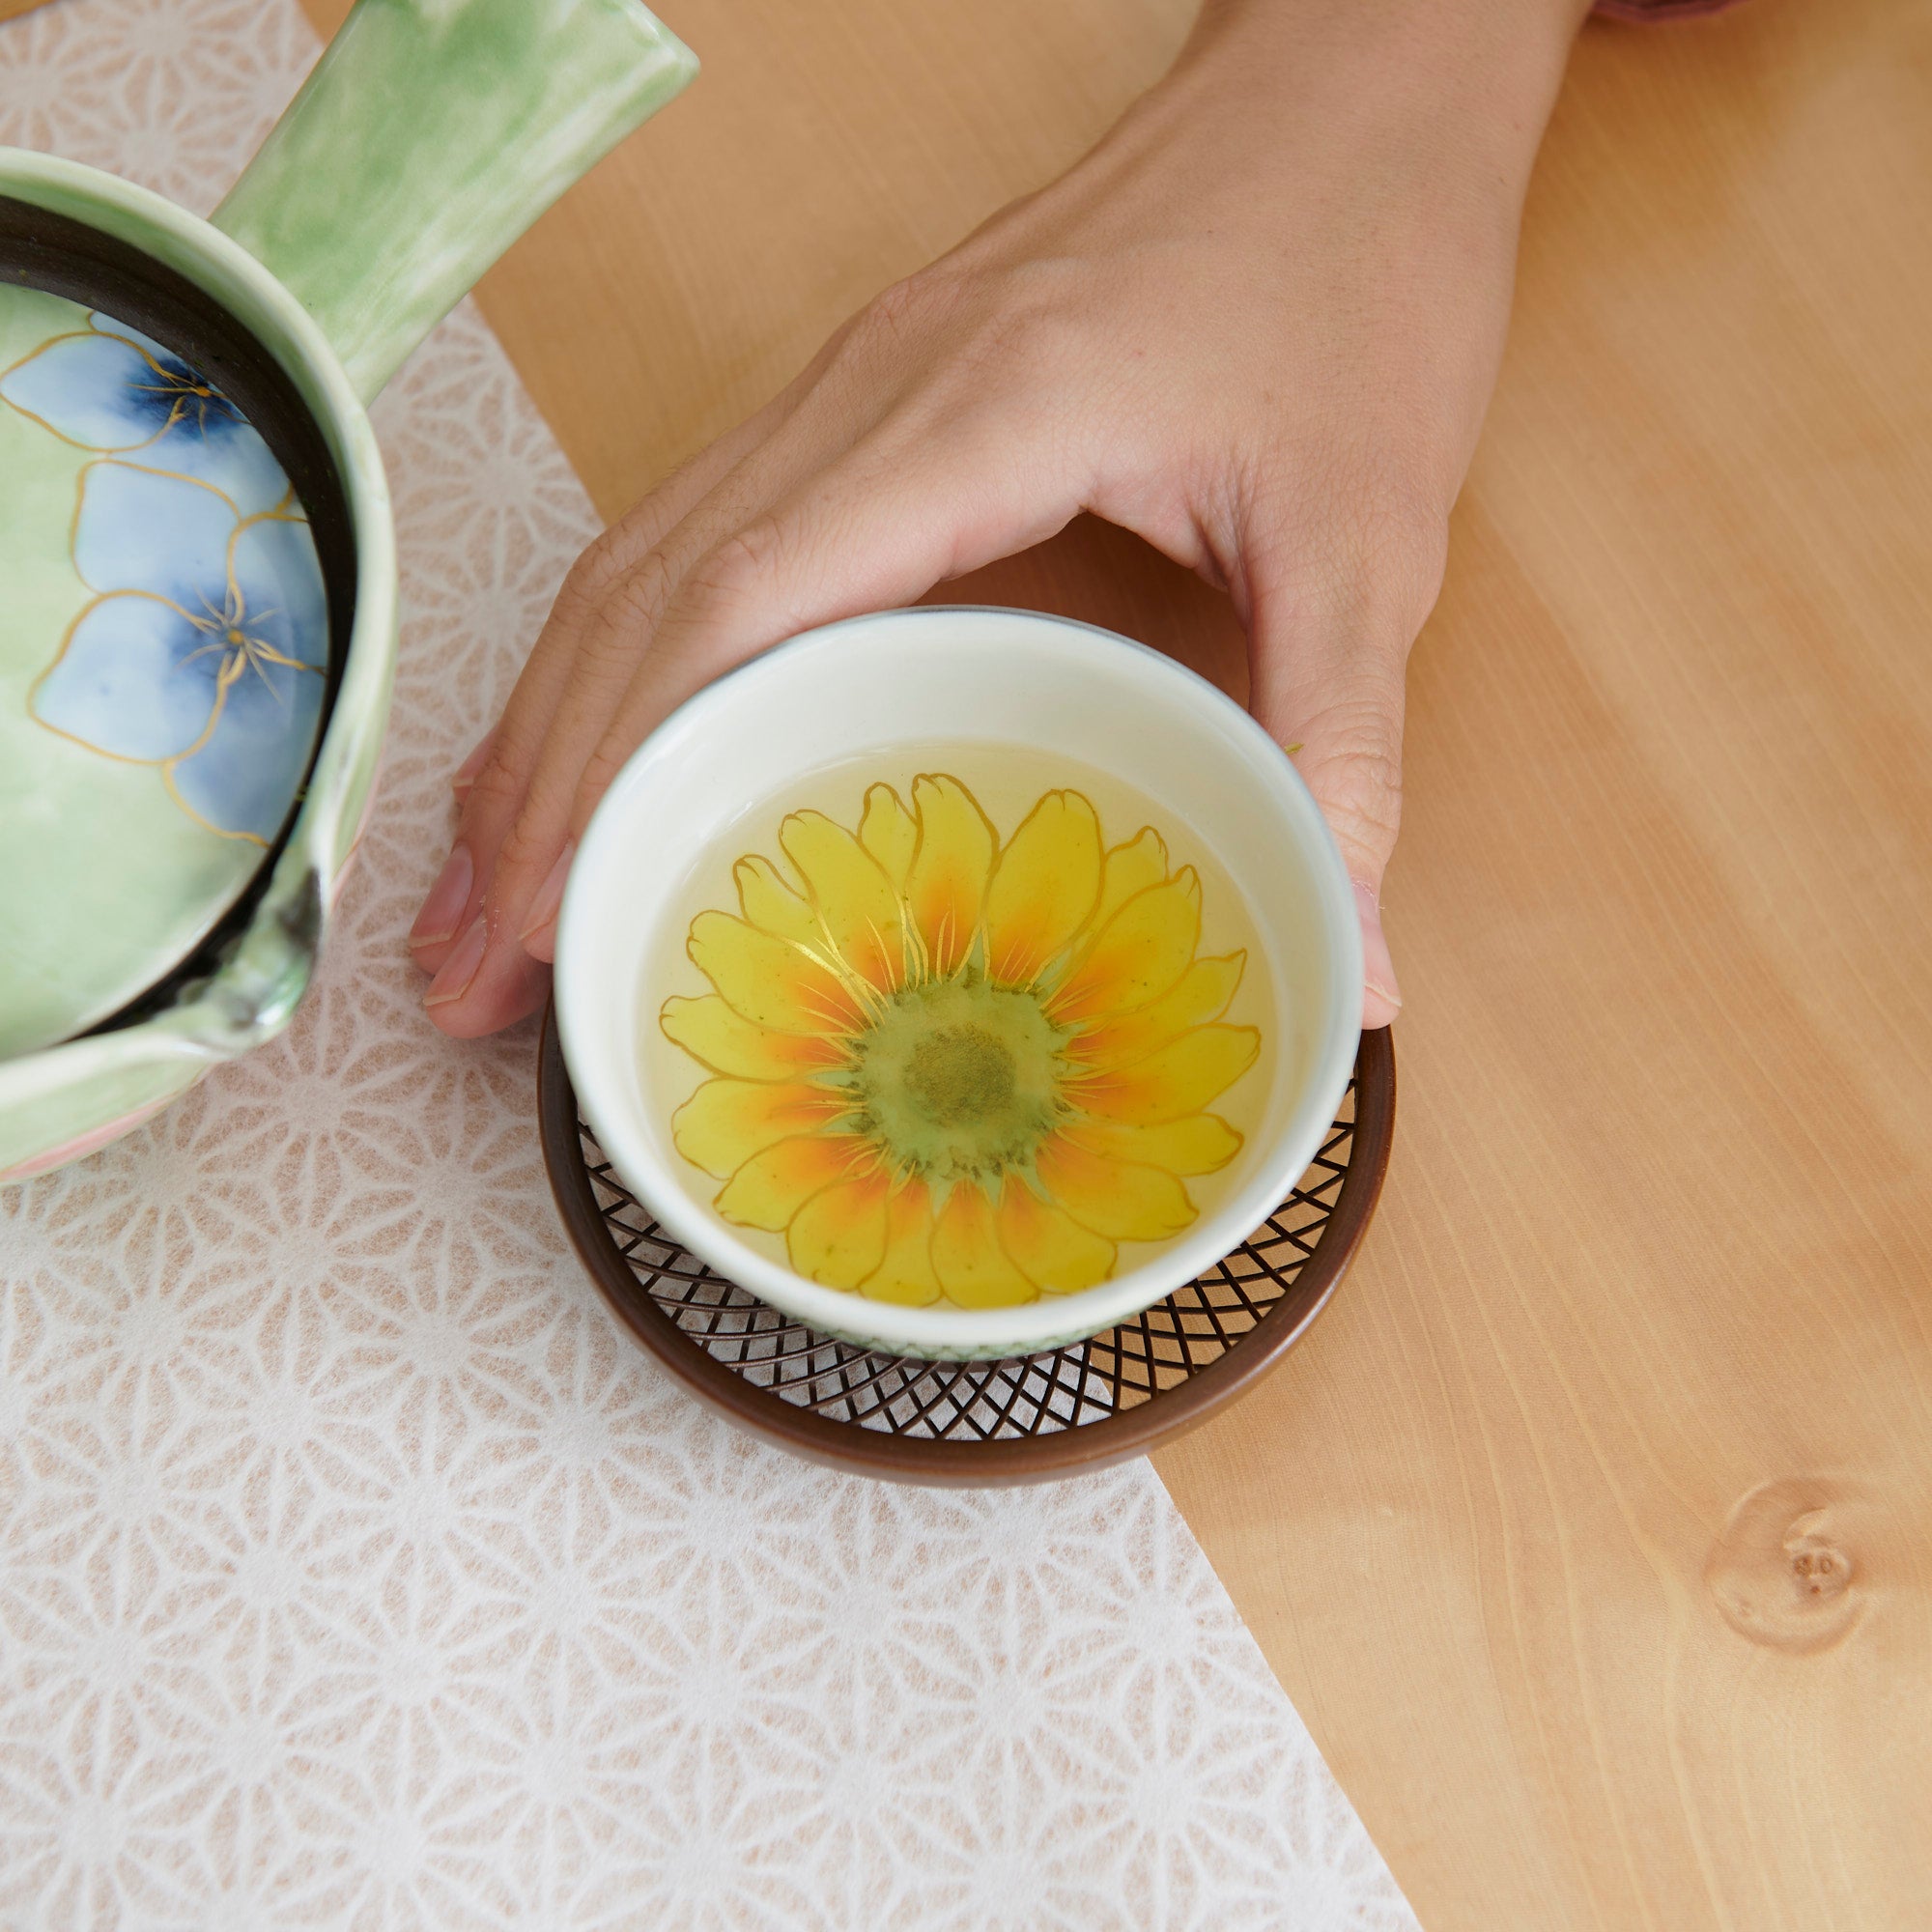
[1258, 326]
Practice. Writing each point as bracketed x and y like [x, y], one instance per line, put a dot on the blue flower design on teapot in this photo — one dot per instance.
[203, 649]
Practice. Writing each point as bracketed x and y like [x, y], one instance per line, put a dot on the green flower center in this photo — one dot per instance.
[960, 1075]
[958, 1079]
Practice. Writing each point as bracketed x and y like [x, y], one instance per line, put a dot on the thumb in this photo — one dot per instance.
[1338, 708]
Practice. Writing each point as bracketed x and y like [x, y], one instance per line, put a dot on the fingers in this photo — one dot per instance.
[879, 526]
[500, 776]
[464, 775]
[1328, 670]
[491, 782]
[511, 857]
[1352, 757]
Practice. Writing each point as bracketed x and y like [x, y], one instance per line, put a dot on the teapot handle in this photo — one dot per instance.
[429, 135]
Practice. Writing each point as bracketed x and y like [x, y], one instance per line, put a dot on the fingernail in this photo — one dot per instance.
[1378, 968]
[550, 895]
[460, 968]
[447, 897]
[465, 772]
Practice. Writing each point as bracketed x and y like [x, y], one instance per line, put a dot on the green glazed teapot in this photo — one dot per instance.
[198, 628]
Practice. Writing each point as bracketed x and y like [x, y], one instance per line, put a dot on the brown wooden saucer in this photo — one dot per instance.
[1024, 1420]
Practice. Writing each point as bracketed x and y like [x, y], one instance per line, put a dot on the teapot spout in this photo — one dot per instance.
[428, 138]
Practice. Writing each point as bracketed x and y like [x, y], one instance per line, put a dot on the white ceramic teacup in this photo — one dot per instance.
[869, 685]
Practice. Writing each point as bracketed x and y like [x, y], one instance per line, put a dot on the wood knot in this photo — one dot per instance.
[1781, 1573]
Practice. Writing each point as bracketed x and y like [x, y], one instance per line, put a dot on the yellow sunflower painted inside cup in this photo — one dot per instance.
[944, 1070]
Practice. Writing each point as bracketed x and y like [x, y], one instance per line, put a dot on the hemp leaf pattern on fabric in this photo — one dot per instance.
[355, 1570]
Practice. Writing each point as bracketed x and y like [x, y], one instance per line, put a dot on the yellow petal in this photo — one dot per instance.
[772, 1187]
[771, 905]
[854, 901]
[728, 1042]
[1044, 887]
[726, 1122]
[768, 980]
[905, 1274]
[1112, 1198]
[1179, 1080]
[1200, 994]
[1137, 955]
[971, 1266]
[1197, 1144]
[839, 1235]
[890, 833]
[1053, 1251]
[947, 879]
[1130, 869]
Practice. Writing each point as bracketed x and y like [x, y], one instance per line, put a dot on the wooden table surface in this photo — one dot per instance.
[1591, 1530]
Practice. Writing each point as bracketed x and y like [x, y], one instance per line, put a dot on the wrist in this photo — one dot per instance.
[1519, 42]
[1468, 81]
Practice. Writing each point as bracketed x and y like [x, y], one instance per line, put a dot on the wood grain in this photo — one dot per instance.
[1657, 1232]
[1591, 1531]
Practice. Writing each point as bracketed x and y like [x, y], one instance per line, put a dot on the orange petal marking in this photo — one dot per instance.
[1048, 1246]
[1137, 955]
[1201, 1144]
[1111, 1198]
[1179, 1080]
[726, 1122]
[769, 981]
[1200, 994]
[948, 880]
[717, 1033]
[772, 1185]
[1043, 889]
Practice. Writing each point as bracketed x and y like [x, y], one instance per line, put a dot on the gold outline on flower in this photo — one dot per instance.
[186, 388]
[228, 628]
[944, 1067]
[152, 402]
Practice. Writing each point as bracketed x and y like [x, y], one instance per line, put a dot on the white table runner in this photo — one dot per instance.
[355, 1570]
